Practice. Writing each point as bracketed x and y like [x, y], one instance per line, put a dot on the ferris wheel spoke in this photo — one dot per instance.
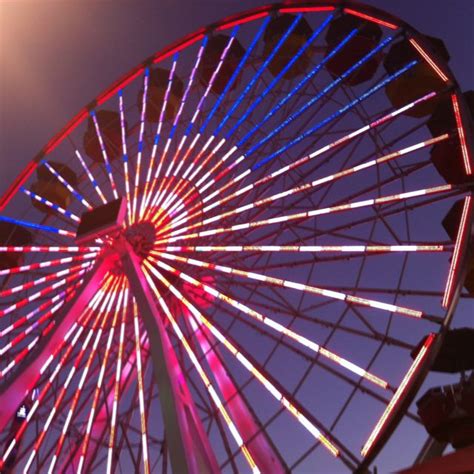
[141, 396]
[33, 225]
[278, 106]
[67, 185]
[105, 156]
[157, 197]
[341, 141]
[39, 294]
[227, 88]
[47, 264]
[188, 130]
[97, 329]
[60, 397]
[70, 345]
[328, 119]
[212, 392]
[22, 320]
[136, 185]
[349, 299]
[275, 326]
[75, 270]
[148, 192]
[272, 386]
[312, 213]
[126, 174]
[51, 205]
[92, 413]
[203, 98]
[305, 187]
[91, 177]
[118, 377]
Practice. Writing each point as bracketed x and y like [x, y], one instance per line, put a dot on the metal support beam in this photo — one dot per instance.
[189, 447]
[22, 382]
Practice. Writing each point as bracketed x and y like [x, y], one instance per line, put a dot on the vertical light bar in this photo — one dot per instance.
[100, 379]
[396, 397]
[462, 235]
[126, 174]
[106, 294]
[118, 376]
[462, 137]
[61, 396]
[141, 396]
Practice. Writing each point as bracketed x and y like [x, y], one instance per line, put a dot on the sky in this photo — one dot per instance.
[56, 56]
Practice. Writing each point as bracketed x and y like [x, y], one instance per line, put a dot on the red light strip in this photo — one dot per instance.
[17, 184]
[45, 279]
[462, 138]
[122, 83]
[50, 263]
[294, 285]
[45, 291]
[370, 18]
[306, 9]
[305, 248]
[242, 21]
[42, 249]
[278, 327]
[428, 59]
[212, 392]
[178, 48]
[396, 397]
[463, 234]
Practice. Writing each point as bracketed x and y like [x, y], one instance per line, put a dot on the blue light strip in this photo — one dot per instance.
[235, 74]
[342, 110]
[307, 78]
[32, 225]
[50, 204]
[260, 98]
[317, 97]
[77, 195]
[258, 73]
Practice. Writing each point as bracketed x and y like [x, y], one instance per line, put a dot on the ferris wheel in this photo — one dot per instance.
[226, 261]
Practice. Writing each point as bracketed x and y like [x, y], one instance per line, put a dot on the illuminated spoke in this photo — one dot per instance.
[350, 299]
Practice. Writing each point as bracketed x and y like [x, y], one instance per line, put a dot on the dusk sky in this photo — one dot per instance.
[57, 55]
